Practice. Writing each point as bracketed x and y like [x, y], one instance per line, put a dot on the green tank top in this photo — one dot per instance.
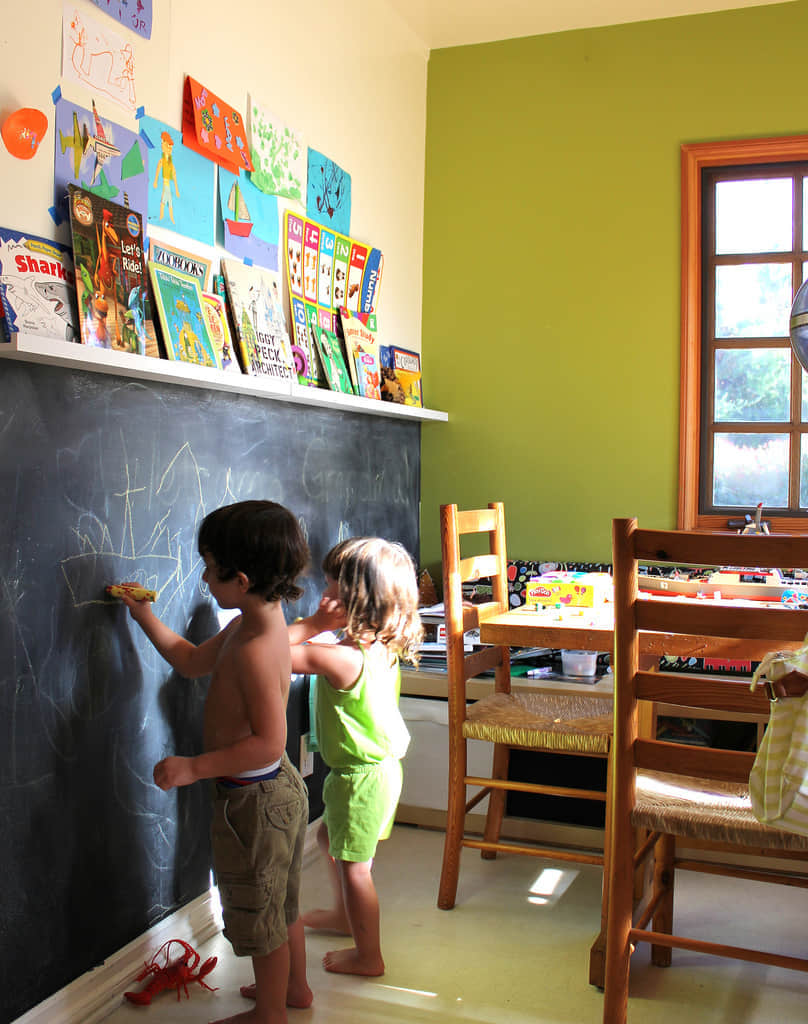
[362, 725]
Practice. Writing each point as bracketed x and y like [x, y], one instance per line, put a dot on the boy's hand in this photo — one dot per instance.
[174, 771]
[141, 611]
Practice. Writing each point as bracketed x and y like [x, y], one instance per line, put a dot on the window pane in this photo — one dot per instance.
[752, 300]
[749, 468]
[804, 472]
[804, 219]
[752, 385]
[753, 216]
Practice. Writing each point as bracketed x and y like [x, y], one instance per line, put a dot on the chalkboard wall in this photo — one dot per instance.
[101, 480]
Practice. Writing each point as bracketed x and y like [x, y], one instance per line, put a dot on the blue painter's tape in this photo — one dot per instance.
[146, 139]
[56, 95]
[56, 217]
[140, 112]
[247, 261]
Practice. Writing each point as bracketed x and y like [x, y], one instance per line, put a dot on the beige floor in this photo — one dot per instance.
[515, 949]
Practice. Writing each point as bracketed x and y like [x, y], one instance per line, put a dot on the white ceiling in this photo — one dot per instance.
[439, 23]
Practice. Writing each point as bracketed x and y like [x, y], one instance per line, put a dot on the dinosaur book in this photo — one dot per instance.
[111, 284]
[37, 287]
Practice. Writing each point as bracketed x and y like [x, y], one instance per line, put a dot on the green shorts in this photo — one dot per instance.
[257, 833]
[360, 806]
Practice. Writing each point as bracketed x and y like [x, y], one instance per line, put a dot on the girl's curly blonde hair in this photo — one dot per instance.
[377, 584]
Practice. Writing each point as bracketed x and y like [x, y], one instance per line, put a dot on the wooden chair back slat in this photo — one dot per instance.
[712, 693]
[693, 761]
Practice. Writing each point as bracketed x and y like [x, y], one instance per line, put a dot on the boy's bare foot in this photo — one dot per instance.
[327, 921]
[348, 961]
[299, 998]
[249, 1017]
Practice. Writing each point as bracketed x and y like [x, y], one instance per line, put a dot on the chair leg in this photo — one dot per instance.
[455, 821]
[597, 952]
[496, 799]
[663, 882]
[620, 911]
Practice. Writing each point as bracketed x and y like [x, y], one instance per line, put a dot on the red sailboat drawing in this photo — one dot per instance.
[239, 223]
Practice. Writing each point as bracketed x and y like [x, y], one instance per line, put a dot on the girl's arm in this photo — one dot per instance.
[330, 615]
[188, 659]
[339, 664]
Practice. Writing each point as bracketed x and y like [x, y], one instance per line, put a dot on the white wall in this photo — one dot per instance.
[350, 76]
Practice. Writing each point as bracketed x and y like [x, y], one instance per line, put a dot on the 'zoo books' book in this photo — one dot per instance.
[183, 319]
[259, 324]
[111, 281]
[37, 288]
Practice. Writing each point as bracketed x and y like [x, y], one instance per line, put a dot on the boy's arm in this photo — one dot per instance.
[186, 658]
[266, 711]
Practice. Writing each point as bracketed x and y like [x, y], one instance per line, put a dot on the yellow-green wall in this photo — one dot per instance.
[552, 261]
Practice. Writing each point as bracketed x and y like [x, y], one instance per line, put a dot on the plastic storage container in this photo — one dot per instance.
[579, 663]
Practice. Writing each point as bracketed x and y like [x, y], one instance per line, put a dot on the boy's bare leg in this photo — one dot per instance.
[334, 918]
[271, 981]
[298, 993]
[362, 905]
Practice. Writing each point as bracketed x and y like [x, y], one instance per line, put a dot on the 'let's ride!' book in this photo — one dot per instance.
[110, 274]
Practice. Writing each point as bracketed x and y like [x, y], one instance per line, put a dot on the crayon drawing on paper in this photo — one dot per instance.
[97, 58]
[328, 193]
[278, 155]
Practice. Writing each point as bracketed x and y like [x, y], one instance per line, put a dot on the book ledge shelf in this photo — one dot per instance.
[32, 349]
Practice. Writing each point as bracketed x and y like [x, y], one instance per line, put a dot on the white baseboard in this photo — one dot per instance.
[96, 994]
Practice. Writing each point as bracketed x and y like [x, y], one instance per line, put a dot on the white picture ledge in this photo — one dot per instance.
[32, 349]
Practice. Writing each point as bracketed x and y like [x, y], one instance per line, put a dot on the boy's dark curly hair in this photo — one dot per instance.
[263, 540]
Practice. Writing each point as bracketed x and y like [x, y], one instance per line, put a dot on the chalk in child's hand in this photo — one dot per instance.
[133, 590]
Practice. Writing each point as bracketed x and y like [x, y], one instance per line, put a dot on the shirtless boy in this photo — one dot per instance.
[254, 552]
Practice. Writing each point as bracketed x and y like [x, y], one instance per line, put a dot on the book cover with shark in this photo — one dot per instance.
[37, 287]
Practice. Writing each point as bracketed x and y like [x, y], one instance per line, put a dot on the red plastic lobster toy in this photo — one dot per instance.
[168, 973]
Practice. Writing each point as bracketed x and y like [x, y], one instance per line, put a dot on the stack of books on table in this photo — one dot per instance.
[433, 647]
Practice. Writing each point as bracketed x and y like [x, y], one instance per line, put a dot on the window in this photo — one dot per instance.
[744, 397]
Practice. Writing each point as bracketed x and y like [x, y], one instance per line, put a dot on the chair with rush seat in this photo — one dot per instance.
[580, 725]
[678, 793]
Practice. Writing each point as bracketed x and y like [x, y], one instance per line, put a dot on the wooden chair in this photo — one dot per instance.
[674, 791]
[551, 723]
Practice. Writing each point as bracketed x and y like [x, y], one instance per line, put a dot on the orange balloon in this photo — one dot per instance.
[23, 131]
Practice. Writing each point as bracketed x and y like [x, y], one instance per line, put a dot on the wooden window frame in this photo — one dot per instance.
[695, 157]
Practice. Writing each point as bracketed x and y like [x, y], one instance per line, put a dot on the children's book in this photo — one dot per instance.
[362, 347]
[332, 358]
[183, 321]
[111, 279]
[256, 308]
[356, 271]
[400, 375]
[219, 331]
[37, 288]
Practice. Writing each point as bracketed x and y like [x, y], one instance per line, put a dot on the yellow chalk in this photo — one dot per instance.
[133, 590]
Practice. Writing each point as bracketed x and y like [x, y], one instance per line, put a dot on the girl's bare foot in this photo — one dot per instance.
[245, 1018]
[327, 921]
[348, 961]
[299, 998]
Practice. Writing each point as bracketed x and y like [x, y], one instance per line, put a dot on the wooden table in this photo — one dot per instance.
[521, 628]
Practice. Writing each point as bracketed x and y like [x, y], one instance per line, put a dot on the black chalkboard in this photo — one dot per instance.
[104, 479]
